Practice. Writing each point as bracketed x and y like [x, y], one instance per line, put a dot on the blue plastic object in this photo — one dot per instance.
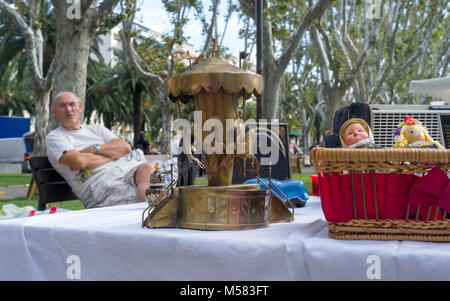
[13, 127]
[292, 189]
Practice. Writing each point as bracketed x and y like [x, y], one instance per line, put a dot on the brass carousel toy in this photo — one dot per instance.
[215, 87]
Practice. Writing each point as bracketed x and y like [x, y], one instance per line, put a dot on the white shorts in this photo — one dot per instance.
[114, 186]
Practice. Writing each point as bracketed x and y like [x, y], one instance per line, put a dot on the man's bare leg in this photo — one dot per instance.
[142, 179]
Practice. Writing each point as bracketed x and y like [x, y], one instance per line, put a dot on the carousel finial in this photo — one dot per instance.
[214, 48]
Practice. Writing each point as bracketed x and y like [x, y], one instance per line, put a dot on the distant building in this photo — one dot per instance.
[111, 41]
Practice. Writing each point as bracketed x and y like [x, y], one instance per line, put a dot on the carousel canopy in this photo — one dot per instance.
[212, 75]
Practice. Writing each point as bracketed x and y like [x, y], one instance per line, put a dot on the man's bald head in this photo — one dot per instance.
[64, 95]
[67, 108]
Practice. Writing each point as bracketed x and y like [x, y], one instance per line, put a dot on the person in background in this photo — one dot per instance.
[142, 143]
[100, 167]
[154, 151]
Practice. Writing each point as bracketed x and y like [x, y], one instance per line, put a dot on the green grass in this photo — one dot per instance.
[23, 201]
[305, 178]
[201, 182]
[7, 179]
[23, 179]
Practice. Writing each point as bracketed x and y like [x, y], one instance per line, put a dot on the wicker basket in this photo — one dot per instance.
[367, 193]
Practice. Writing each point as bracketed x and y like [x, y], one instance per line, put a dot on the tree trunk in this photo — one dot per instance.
[41, 117]
[166, 122]
[271, 95]
[74, 35]
[317, 122]
[305, 132]
[72, 55]
[137, 111]
[333, 97]
[72, 51]
[307, 124]
[274, 67]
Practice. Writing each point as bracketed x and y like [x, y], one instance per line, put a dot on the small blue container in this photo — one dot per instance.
[294, 190]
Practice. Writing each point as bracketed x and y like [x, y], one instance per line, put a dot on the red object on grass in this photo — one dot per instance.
[52, 210]
[315, 185]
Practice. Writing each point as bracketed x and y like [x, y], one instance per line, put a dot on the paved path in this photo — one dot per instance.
[308, 169]
[14, 191]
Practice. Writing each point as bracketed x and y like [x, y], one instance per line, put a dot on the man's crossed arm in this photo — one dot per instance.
[88, 159]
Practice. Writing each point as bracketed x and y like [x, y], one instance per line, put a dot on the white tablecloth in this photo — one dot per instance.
[110, 244]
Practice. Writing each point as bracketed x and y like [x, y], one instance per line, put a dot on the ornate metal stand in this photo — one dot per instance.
[215, 87]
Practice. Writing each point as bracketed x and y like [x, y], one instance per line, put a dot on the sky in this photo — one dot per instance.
[153, 15]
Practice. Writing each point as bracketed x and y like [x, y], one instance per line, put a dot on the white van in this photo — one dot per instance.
[13, 150]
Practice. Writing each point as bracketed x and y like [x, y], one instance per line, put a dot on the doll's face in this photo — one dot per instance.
[354, 133]
[413, 133]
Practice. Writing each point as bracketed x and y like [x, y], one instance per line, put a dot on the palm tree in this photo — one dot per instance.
[16, 91]
[12, 43]
[115, 94]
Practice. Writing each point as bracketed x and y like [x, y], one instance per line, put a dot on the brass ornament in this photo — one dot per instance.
[215, 88]
[233, 207]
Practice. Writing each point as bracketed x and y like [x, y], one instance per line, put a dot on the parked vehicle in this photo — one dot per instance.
[13, 148]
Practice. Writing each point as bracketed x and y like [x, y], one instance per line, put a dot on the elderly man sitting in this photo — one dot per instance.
[100, 167]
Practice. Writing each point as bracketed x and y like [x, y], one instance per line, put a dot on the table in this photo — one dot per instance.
[110, 244]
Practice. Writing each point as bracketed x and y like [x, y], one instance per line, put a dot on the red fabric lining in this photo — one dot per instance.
[430, 190]
[393, 192]
[444, 199]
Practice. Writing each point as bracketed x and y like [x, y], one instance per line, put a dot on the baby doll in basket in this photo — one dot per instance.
[356, 133]
[411, 134]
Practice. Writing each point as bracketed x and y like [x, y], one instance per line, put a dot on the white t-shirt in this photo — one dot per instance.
[61, 140]
[176, 149]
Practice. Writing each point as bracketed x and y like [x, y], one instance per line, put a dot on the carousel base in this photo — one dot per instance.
[233, 207]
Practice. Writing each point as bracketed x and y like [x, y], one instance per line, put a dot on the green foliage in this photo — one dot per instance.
[285, 17]
[414, 21]
[11, 44]
[109, 93]
[110, 88]
[155, 56]
[411, 34]
[110, 22]
[16, 94]
[16, 87]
